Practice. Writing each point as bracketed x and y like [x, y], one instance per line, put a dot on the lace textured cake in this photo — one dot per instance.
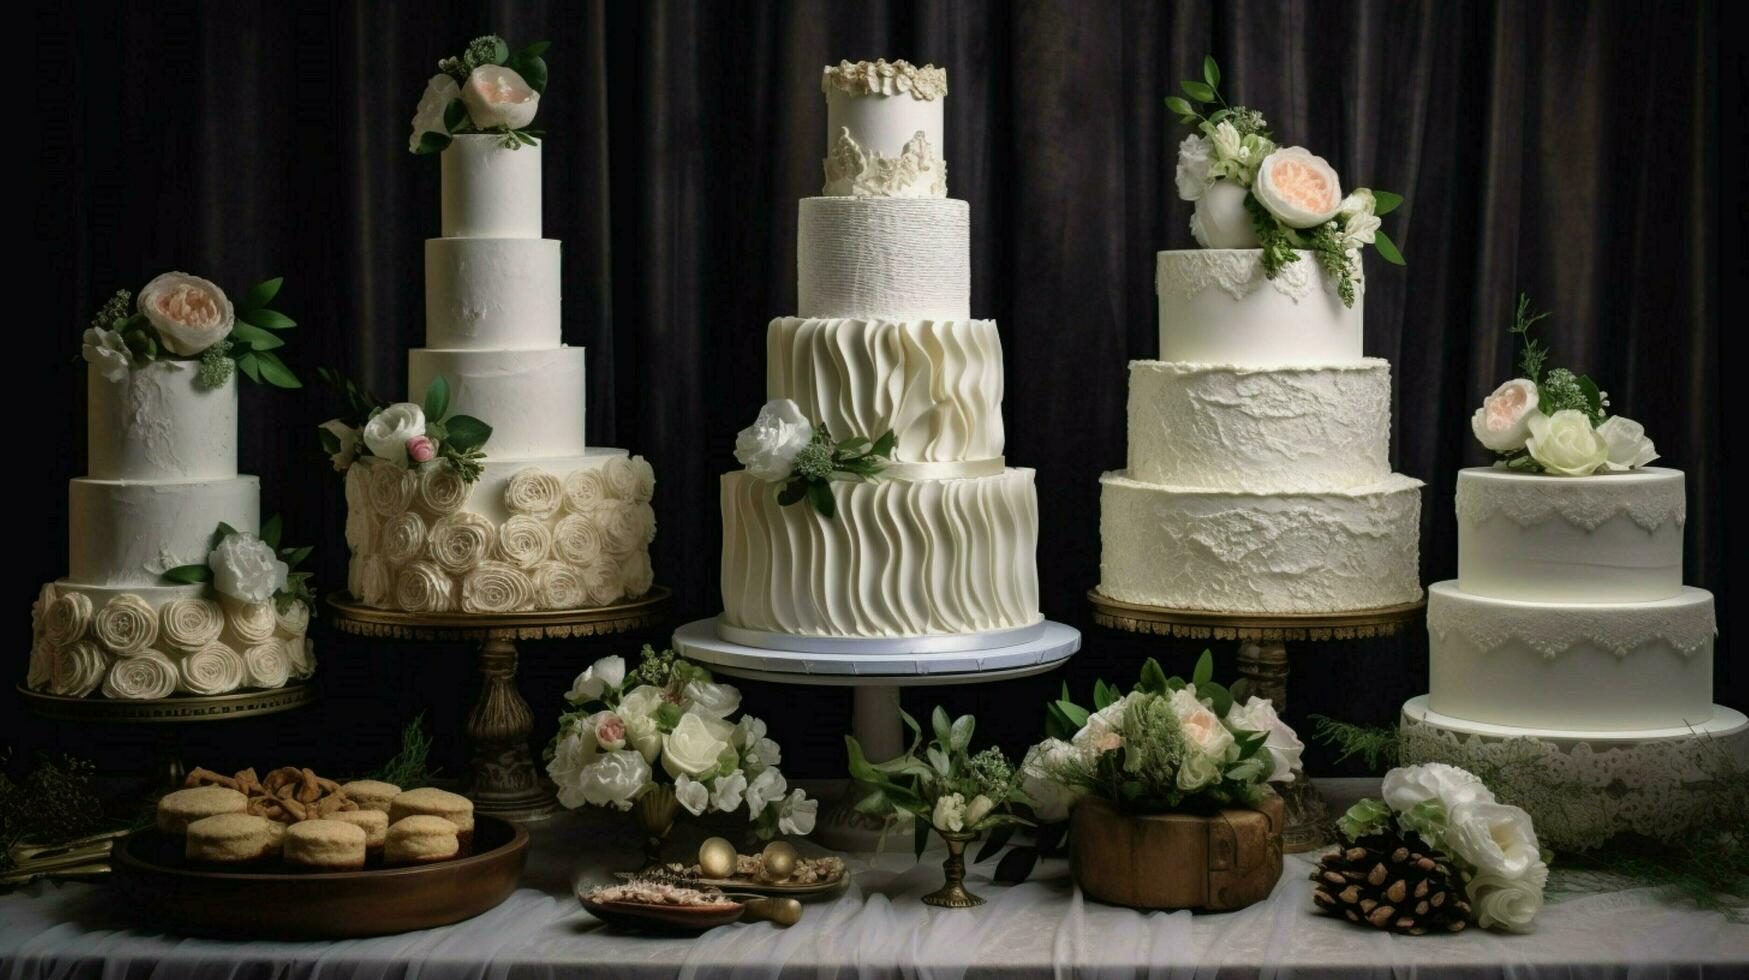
[943, 540]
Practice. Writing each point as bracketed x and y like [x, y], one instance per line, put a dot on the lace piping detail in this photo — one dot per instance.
[1553, 629]
[1584, 502]
[852, 171]
[1238, 273]
[883, 77]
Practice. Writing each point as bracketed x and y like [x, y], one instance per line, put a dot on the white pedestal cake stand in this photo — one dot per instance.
[877, 669]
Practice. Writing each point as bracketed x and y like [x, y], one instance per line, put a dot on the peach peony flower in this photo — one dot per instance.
[189, 313]
[498, 97]
[1298, 187]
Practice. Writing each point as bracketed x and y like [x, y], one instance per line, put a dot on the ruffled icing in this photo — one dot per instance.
[883, 77]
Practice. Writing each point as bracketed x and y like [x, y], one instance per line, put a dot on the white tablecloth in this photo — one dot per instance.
[878, 928]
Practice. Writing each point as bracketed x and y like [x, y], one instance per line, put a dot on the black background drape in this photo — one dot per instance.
[1572, 150]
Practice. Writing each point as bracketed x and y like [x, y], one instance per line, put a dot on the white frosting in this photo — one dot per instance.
[1217, 307]
[887, 126]
[1571, 666]
[899, 558]
[129, 534]
[157, 424]
[490, 191]
[1227, 551]
[492, 293]
[532, 399]
[1311, 428]
[937, 384]
[892, 258]
[853, 170]
[1613, 537]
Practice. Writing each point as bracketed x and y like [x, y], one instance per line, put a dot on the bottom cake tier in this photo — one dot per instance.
[899, 558]
[1230, 551]
[1584, 787]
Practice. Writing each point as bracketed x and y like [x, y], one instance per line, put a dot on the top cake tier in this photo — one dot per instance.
[1218, 307]
[489, 190]
[158, 425]
[883, 129]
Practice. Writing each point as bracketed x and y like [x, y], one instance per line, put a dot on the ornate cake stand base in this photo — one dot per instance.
[877, 669]
[1263, 669]
[503, 780]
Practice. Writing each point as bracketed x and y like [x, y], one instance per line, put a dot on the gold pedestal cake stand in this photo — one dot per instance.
[1262, 663]
[503, 780]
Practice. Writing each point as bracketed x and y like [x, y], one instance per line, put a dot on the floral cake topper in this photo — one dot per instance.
[485, 89]
[407, 434]
[179, 317]
[251, 567]
[783, 447]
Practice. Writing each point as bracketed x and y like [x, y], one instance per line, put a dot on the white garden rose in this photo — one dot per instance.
[302, 654]
[497, 97]
[348, 438]
[247, 623]
[1103, 731]
[387, 432]
[796, 814]
[189, 313]
[1196, 770]
[524, 541]
[428, 117]
[558, 586]
[78, 669]
[1509, 903]
[692, 748]
[1503, 422]
[583, 489]
[692, 794]
[577, 538]
[108, 353]
[213, 669]
[977, 809]
[1283, 747]
[1195, 155]
[402, 537]
[949, 813]
[768, 447]
[146, 676]
[711, 699]
[461, 541]
[616, 779]
[728, 791]
[424, 586]
[1566, 443]
[1626, 441]
[636, 577]
[497, 587]
[266, 666]
[1360, 225]
[67, 619]
[1494, 838]
[1201, 727]
[1039, 779]
[604, 675]
[534, 492]
[637, 708]
[1407, 787]
[1299, 187]
[246, 567]
[766, 788]
[441, 487]
[574, 752]
[1221, 220]
[127, 624]
[293, 618]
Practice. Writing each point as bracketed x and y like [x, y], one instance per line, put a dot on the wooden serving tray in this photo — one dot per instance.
[278, 903]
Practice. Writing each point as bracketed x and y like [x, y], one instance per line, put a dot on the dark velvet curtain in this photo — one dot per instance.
[1571, 150]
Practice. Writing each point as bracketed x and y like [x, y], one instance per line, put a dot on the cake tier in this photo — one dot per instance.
[490, 190]
[884, 257]
[129, 534]
[532, 399]
[1230, 551]
[899, 558]
[1614, 537]
[884, 104]
[1217, 307]
[1616, 666]
[883, 145]
[937, 384]
[1580, 787]
[548, 533]
[492, 293]
[157, 424]
[1261, 430]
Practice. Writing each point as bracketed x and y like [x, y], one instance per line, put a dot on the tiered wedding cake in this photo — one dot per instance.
[1259, 476]
[545, 522]
[932, 534]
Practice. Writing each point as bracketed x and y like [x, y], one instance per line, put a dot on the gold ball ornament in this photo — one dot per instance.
[716, 858]
[778, 861]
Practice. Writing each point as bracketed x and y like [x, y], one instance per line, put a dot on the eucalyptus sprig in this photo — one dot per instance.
[297, 584]
[822, 461]
[1207, 92]
[1535, 353]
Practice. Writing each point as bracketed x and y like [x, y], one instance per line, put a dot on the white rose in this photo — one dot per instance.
[424, 586]
[950, 813]
[498, 97]
[1195, 155]
[387, 432]
[67, 619]
[1508, 903]
[796, 815]
[768, 447]
[266, 665]
[615, 779]
[348, 439]
[693, 795]
[711, 699]
[1406, 787]
[767, 787]
[189, 313]
[524, 541]
[1566, 443]
[1298, 187]
[1221, 220]
[246, 567]
[145, 677]
[428, 118]
[1200, 726]
[105, 350]
[603, 675]
[213, 669]
[1629, 449]
[573, 752]
[692, 748]
[728, 791]
[1103, 731]
[441, 487]
[496, 587]
[1051, 798]
[461, 541]
[1494, 838]
[1283, 746]
[533, 491]
[78, 669]
[127, 624]
[1503, 422]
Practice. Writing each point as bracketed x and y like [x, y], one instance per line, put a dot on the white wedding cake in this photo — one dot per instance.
[876, 502]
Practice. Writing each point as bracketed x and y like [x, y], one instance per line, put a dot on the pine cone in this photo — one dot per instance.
[1384, 882]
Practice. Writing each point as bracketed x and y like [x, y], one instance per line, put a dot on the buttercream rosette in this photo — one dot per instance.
[617, 474]
[42, 665]
[635, 574]
[302, 654]
[643, 485]
[497, 587]
[601, 580]
[391, 488]
[293, 618]
[248, 623]
[45, 597]
[534, 492]
[423, 586]
[68, 618]
[361, 527]
[358, 484]
[78, 669]
[625, 526]
[583, 488]
[558, 586]
[461, 541]
[577, 538]
[441, 488]
[376, 580]
[524, 541]
[402, 538]
[189, 624]
[265, 665]
[127, 624]
[147, 676]
[213, 669]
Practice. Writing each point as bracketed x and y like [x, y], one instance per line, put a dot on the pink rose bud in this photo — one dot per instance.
[421, 449]
[610, 730]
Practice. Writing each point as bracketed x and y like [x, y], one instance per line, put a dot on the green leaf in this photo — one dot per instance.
[1211, 73]
[260, 294]
[942, 724]
[820, 495]
[855, 446]
[920, 837]
[330, 441]
[1153, 679]
[911, 723]
[271, 319]
[1178, 105]
[1056, 723]
[1103, 695]
[962, 732]
[254, 337]
[522, 137]
[293, 557]
[437, 430]
[274, 371]
[436, 399]
[1593, 396]
[1220, 699]
[432, 143]
[793, 492]
[271, 531]
[668, 715]
[884, 445]
[533, 70]
[224, 531]
[250, 366]
[1387, 248]
[994, 844]
[1074, 714]
[1205, 670]
[466, 433]
[1199, 91]
[1384, 202]
[189, 574]
[455, 115]
[1219, 114]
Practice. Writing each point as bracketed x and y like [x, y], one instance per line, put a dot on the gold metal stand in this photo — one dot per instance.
[503, 780]
[1263, 668]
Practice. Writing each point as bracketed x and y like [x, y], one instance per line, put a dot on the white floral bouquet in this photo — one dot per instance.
[1493, 845]
[405, 434]
[485, 89]
[1251, 193]
[666, 724]
[784, 448]
[940, 783]
[179, 317]
[1556, 422]
[251, 568]
[1167, 745]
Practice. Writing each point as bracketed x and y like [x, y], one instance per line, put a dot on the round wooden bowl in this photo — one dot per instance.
[283, 904]
[1215, 863]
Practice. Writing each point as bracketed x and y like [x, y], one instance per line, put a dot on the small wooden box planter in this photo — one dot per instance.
[1211, 863]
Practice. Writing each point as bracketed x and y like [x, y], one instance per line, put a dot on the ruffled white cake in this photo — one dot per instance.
[944, 540]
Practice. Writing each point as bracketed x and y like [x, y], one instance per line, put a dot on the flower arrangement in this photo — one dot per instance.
[1251, 193]
[404, 433]
[783, 447]
[1491, 845]
[939, 784]
[179, 317]
[252, 568]
[485, 89]
[1167, 745]
[1555, 421]
[664, 728]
